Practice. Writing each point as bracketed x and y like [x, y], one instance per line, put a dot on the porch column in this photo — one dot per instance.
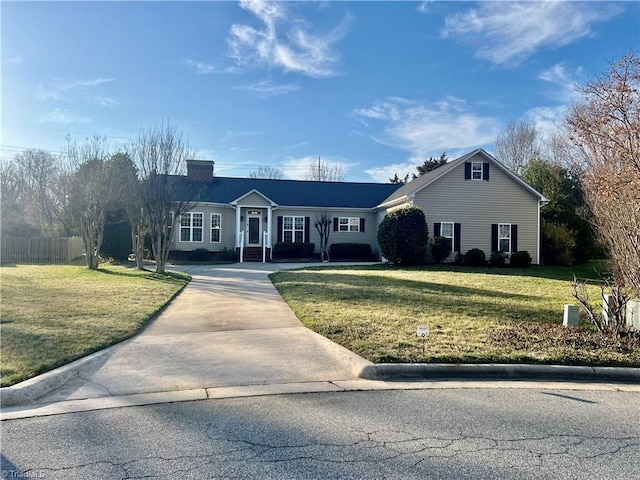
[238, 225]
[269, 222]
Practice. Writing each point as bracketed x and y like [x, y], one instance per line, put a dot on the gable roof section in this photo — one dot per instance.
[267, 199]
[293, 193]
[408, 190]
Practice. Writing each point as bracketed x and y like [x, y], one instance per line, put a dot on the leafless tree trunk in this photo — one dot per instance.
[90, 188]
[605, 128]
[324, 172]
[323, 226]
[517, 144]
[160, 155]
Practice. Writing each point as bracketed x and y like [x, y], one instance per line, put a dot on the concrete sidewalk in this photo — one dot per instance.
[229, 327]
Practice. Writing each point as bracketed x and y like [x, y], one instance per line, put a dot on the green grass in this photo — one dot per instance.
[475, 315]
[52, 314]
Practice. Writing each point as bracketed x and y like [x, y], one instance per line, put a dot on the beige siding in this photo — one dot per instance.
[368, 236]
[254, 200]
[477, 204]
[227, 234]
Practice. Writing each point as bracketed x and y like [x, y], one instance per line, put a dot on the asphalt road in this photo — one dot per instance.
[441, 434]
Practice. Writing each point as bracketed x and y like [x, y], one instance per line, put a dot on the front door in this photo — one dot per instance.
[254, 230]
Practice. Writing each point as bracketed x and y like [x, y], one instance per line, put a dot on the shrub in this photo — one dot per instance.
[520, 259]
[116, 239]
[200, 255]
[227, 255]
[350, 251]
[293, 250]
[557, 244]
[403, 236]
[440, 248]
[475, 258]
[497, 259]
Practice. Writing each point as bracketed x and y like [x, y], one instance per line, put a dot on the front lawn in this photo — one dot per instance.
[52, 314]
[475, 315]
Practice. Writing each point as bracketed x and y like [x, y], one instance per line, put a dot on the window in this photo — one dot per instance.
[504, 237]
[216, 222]
[348, 224]
[476, 170]
[191, 227]
[293, 229]
[446, 231]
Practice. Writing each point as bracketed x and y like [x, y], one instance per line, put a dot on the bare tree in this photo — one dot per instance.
[518, 143]
[324, 172]
[160, 155]
[90, 189]
[605, 127]
[33, 174]
[323, 225]
[267, 171]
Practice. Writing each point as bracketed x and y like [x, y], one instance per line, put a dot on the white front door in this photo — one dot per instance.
[254, 230]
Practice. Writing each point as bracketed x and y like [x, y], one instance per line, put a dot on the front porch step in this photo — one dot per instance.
[254, 254]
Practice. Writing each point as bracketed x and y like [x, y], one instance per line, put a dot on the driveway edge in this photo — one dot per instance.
[34, 388]
[398, 371]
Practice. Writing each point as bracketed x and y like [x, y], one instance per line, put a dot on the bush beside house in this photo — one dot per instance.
[403, 236]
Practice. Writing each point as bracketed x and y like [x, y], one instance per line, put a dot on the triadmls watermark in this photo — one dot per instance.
[23, 474]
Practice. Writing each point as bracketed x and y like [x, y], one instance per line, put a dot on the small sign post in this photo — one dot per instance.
[423, 332]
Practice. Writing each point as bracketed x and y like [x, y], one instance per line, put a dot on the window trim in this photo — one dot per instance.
[191, 227]
[293, 228]
[219, 228]
[503, 238]
[474, 171]
[353, 224]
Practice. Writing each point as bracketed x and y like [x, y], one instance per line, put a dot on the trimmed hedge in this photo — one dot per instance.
[475, 258]
[350, 251]
[520, 259]
[293, 250]
[497, 259]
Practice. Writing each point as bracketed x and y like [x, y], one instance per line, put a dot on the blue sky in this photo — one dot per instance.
[374, 86]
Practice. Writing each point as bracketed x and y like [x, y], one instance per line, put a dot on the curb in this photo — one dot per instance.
[32, 389]
[388, 371]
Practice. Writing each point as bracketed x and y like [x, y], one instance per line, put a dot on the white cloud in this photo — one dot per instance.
[509, 32]
[547, 119]
[425, 130]
[284, 41]
[60, 89]
[386, 172]
[422, 8]
[564, 82]
[63, 116]
[297, 168]
[201, 68]
[267, 88]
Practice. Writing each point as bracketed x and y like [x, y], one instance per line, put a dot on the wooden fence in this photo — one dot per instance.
[40, 249]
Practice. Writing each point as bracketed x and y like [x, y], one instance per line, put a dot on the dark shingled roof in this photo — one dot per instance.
[292, 192]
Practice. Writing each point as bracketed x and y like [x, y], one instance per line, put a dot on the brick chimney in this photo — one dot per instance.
[200, 170]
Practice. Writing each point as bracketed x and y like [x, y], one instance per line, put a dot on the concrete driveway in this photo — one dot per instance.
[229, 327]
